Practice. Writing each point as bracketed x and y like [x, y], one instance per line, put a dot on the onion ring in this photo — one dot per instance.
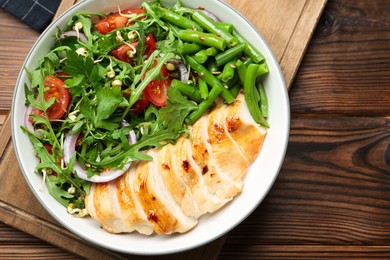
[70, 148]
[78, 35]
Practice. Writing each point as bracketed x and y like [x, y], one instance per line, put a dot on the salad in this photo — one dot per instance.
[114, 85]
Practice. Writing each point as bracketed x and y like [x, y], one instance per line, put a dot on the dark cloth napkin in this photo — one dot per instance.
[36, 13]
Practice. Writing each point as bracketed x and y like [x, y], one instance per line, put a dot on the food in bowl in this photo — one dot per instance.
[134, 116]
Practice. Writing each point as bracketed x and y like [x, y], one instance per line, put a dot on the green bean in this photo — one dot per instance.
[190, 91]
[189, 48]
[228, 71]
[201, 56]
[235, 89]
[204, 105]
[248, 61]
[250, 95]
[178, 20]
[227, 96]
[204, 21]
[203, 88]
[212, 51]
[209, 78]
[249, 50]
[263, 100]
[233, 81]
[212, 66]
[207, 39]
[256, 95]
[229, 54]
[263, 69]
[226, 26]
[241, 71]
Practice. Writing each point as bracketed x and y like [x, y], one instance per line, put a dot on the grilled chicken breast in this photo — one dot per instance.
[197, 175]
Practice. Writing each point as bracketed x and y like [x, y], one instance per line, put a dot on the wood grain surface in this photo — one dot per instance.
[332, 197]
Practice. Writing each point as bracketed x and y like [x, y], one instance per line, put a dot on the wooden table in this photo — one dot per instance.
[332, 197]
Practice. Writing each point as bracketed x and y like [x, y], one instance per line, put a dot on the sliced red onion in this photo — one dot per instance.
[183, 71]
[70, 148]
[210, 15]
[27, 122]
[132, 137]
[78, 35]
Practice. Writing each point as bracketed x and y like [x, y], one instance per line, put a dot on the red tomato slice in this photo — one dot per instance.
[59, 93]
[140, 105]
[150, 45]
[156, 91]
[121, 52]
[115, 20]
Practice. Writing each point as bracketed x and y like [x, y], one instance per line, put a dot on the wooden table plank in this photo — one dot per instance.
[317, 252]
[16, 40]
[332, 197]
[346, 70]
[284, 38]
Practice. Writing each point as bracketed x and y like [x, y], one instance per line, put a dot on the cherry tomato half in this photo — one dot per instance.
[115, 20]
[156, 90]
[121, 52]
[140, 105]
[59, 93]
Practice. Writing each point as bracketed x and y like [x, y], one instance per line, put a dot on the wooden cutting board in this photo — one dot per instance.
[286, 25]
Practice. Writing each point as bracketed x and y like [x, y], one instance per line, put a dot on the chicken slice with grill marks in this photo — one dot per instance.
[192, 176]
[247, 134]
[130, 207]
[102, 206]
[179, 190]
[227, 155]
[157, 202]
[217, 181]
[115, 206]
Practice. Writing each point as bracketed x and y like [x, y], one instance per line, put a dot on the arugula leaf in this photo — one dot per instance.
[86, 22]
[37, 78]
[48, 161]
[177, 109]
[104, 104]
[154, 15]
[56, 191]
[76, 64]
[134, 152]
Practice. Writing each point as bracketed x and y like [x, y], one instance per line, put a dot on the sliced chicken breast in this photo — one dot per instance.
[130, 207]
[216, 180]
[248, 135]
[227, 155]
[106, 209]
[157, 202]
[192, 176]
[175, 184]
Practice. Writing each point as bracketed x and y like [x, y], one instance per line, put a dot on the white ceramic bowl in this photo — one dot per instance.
[259, 179]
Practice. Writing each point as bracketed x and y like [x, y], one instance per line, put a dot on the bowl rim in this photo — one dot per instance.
[15, 125]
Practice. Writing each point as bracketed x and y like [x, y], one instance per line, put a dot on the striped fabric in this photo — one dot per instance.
[36, 13]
